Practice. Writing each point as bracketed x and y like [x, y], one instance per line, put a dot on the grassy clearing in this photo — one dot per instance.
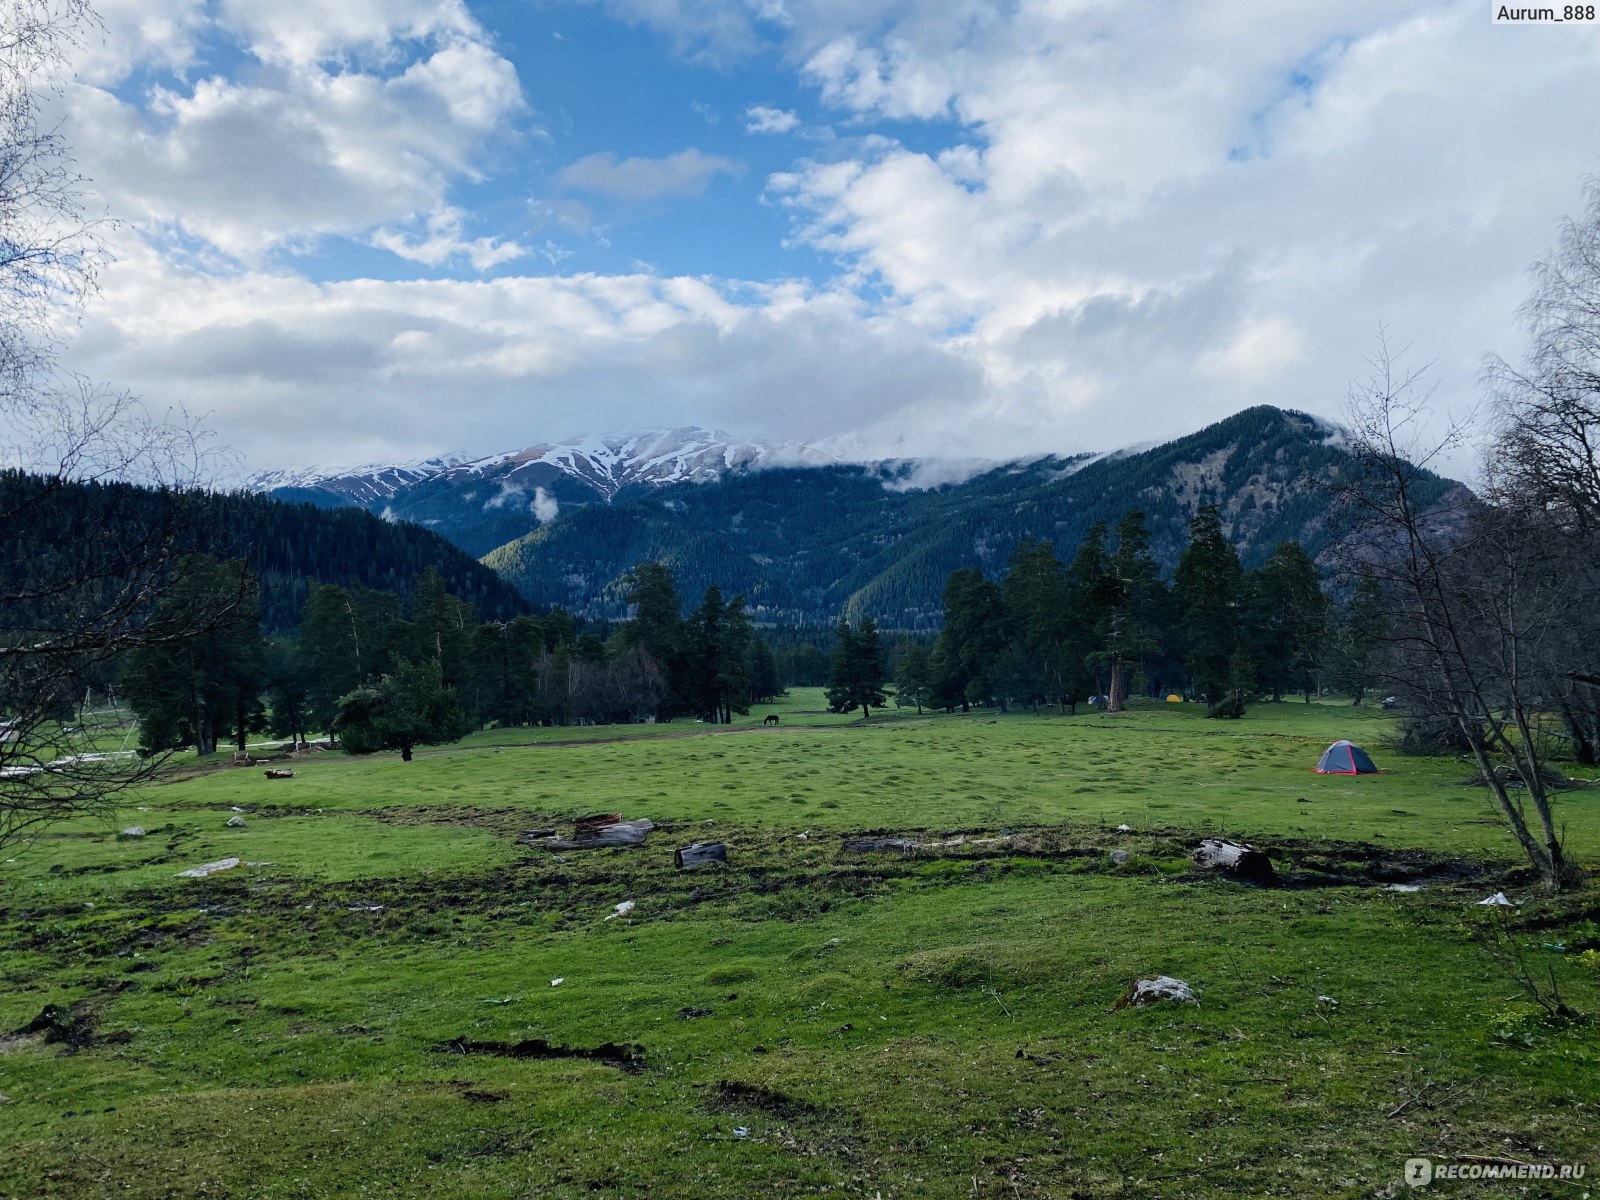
[937, 1024]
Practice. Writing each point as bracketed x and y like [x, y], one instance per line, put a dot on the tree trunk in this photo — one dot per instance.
[623, 833]
[1236, 859]
[698, 855]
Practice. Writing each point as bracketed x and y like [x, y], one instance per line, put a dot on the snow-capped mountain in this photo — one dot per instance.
[605, 465]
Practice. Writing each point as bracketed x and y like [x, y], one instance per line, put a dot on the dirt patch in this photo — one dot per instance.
[629, 1057]
[1317, 863]
[732, 1095]
[74, 1026]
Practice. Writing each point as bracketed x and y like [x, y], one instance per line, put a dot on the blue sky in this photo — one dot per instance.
[379, 229]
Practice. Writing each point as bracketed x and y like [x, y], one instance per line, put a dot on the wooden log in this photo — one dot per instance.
[1236, 859]
[872, 845]
[698, 855]
[623, 833]
[589, 824]
[280, 773]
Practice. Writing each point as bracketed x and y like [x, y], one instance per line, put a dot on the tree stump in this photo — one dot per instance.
[1235, 859]
[698, 855]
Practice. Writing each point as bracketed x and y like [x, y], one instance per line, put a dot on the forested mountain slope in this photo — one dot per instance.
[805, 544]
[288, 544]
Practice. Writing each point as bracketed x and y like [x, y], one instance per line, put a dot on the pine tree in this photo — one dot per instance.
[856, 680]
[1286, 621]
[1206, 588]
[1130, 593]
[765, 685]
[191, 690]
[913, 677]
[1038, 597]
[408, 708]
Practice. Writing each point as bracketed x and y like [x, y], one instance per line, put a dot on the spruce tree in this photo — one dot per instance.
[408, 708]
[857, 677]
[913, 677]
[1207, 586]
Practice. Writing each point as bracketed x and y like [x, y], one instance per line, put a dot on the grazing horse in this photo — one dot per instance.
[770, 719]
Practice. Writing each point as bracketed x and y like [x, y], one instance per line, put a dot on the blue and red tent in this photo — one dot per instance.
[1345, 758]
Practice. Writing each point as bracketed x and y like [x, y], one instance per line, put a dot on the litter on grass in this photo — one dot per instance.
[621, 910]
[1498, 900]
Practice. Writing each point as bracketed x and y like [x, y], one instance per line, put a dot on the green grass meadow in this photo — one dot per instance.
[341, 1015]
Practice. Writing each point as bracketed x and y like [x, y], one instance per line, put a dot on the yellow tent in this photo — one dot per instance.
[1174, 699]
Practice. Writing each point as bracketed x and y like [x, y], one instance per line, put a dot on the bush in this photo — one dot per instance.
[1229, 708]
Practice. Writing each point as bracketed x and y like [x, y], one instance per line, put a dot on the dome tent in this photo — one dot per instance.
[1345, 758]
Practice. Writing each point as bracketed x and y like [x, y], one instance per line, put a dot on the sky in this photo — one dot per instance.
[377, 230]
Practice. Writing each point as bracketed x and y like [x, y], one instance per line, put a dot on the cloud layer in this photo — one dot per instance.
[1049, 226]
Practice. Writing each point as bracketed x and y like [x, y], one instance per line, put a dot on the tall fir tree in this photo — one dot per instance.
[856, 680]
[193, 690]
[1206, 587]
[913, 677]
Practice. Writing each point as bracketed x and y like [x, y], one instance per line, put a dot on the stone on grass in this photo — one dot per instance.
[132, 831]
[210, 868]
[1120, 858]
[235, 822]
[1162, 987]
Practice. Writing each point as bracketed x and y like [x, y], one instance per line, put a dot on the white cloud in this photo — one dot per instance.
[1261, 350]
[442, 242]
[492, 364]
[1119, 222]
[760, 118]
[280, 157]
[684, 173]
[544, 506]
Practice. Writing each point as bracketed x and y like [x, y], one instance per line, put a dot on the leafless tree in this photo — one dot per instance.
[1476, 595]
[1546, 450]
[1544, 459]
[83, 556]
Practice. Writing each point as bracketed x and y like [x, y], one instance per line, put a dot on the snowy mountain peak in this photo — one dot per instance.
[685, 454]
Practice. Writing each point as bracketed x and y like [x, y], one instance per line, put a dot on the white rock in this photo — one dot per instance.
[1403, 887]
[1124, 828]
[235, 822]
[132, 831]
[1163, 987]
[210, 868]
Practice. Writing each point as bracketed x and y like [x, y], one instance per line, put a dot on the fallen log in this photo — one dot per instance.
[589, 824]
[623, 833]
[873, 845]
[280, 773]
[1235, 859]
[690, 858]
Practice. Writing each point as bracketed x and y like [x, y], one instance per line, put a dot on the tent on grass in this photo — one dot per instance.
[1345, 758]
